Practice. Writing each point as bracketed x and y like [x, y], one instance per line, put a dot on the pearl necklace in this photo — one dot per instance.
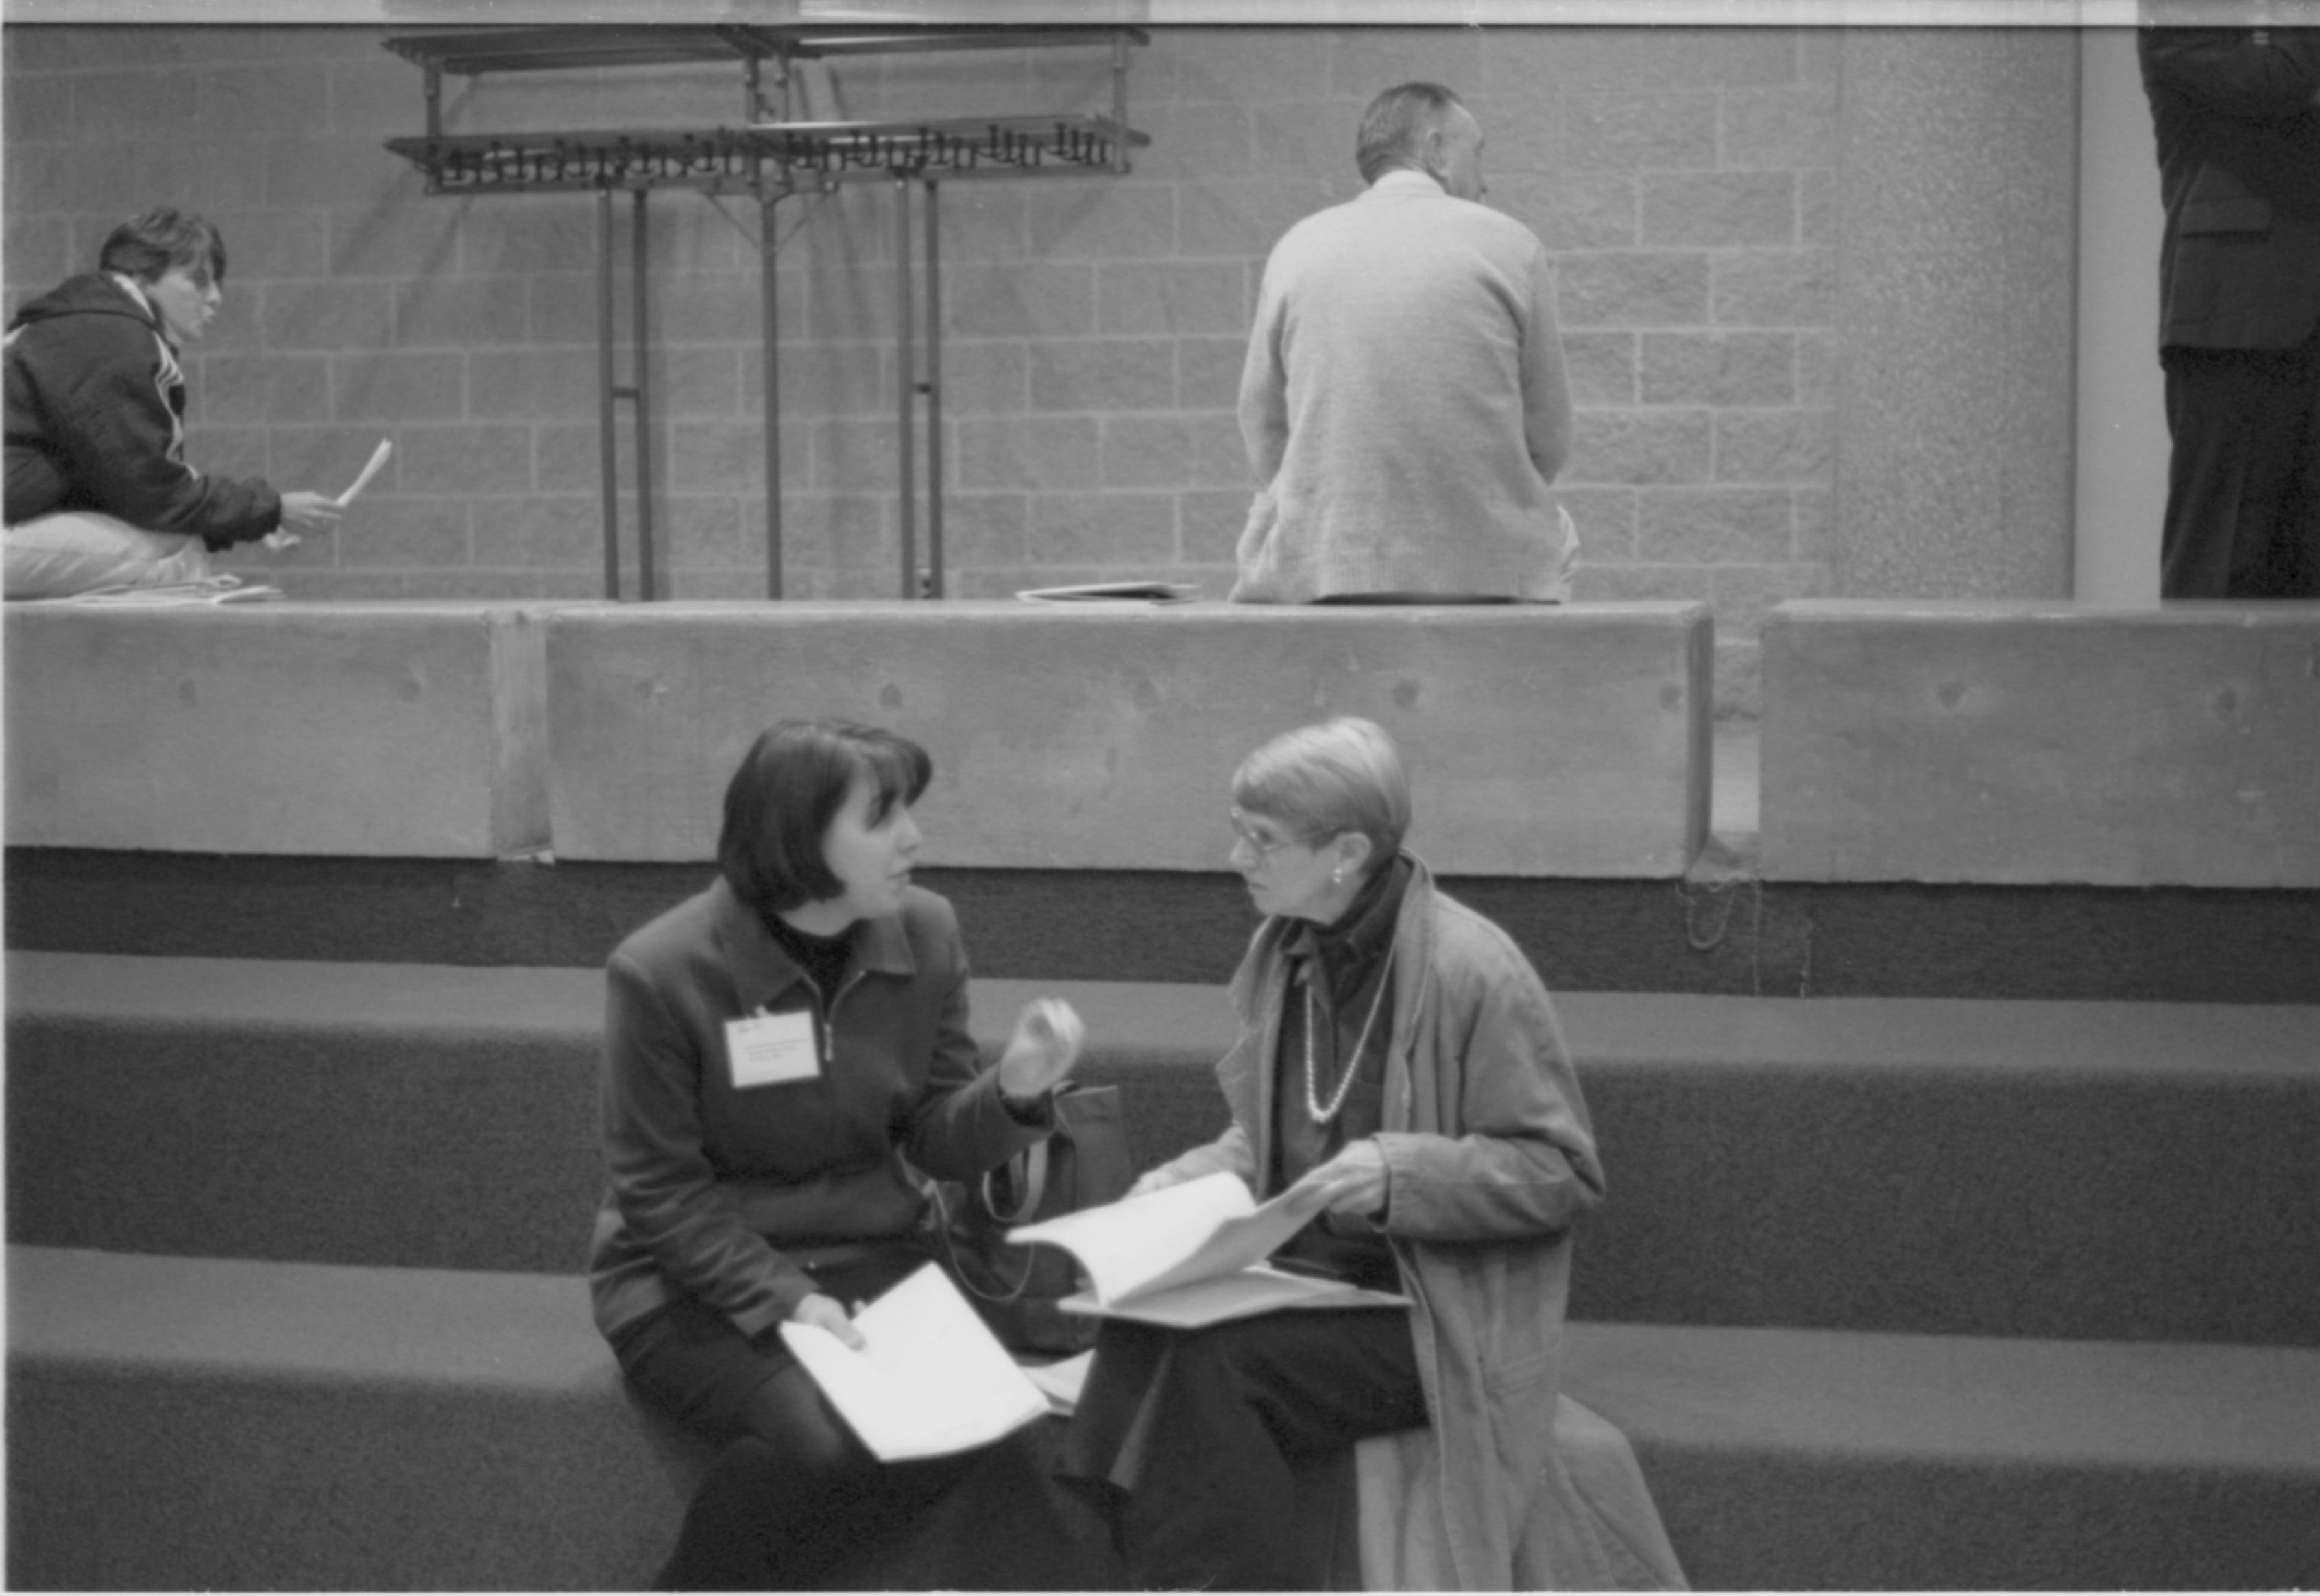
[1322, 1116]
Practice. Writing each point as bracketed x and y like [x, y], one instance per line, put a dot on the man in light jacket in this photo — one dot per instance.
[1404, 401]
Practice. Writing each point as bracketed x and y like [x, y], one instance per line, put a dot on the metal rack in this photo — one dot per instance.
[767, 157]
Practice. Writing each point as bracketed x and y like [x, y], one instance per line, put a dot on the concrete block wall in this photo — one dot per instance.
[1685, 178]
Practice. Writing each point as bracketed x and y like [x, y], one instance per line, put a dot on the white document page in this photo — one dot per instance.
[1128, 1245]
[1192, 1254]
[1193, 1230]
[1241, 1294]
[1063, 1382]
[932, 1380]
[377, 459]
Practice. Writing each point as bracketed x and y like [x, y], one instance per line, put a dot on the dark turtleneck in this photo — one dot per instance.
[822, 958]
[1345, 962]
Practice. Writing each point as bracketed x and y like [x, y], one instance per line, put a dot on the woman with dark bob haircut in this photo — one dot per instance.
[781, 1052]
[1402, 1073]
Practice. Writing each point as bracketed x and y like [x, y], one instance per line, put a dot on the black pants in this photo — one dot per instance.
[793, 1490]
[1196, 1435]
[2243, 479]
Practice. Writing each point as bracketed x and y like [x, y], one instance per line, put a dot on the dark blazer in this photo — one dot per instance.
[2239, 167]
[705, 1181]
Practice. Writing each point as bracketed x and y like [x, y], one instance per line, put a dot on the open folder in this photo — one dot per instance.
[931, 1379]
[1192, 1254]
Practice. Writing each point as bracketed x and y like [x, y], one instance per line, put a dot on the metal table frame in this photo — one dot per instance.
[766, 157]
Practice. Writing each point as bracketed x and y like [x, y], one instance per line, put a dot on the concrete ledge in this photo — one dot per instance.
[412, 728]
[179, 1423]
[2037, 742]
[1570, 741]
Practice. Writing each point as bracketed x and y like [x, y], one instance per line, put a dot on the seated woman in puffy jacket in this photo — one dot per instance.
[99, 494]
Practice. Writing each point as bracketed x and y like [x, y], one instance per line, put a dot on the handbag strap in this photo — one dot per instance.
[954, 1262]
[1032, 1185]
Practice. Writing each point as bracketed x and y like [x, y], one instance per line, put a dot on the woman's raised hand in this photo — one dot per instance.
[1043, 1050]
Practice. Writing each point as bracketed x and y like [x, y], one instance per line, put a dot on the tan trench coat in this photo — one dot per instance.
[1491, 1160]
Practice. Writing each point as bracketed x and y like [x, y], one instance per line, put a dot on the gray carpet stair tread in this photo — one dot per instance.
[2129, 1405]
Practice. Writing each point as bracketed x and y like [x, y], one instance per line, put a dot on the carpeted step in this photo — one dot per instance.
[2107, 1170]
[192, 1422]
[431, 1116]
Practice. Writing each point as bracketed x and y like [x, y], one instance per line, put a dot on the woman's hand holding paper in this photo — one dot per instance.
[830, 1314]
[1353, 1181]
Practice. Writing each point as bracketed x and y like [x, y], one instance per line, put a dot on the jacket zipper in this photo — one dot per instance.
[829, 1007]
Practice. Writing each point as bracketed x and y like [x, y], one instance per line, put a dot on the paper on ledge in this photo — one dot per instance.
[932, 1380]
[1137, 593]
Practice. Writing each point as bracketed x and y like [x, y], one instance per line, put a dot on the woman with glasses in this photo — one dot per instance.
[776, 1049]
[1401, 1063]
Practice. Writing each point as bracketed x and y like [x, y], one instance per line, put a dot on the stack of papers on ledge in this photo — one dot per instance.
[1114, 593]
[932, 1380]
[1191, 1254]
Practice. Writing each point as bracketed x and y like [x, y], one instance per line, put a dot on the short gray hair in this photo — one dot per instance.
[1395, 123]
[1322, 781]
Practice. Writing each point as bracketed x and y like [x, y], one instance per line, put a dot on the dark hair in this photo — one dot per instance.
[791, 784]
[144, 247]
[1395, 123]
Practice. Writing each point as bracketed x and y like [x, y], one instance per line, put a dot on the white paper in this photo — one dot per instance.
[377, 459]
[932, 1379]
[1064, 1381]
[1139, 594]
[1242, 1294]
[1191, 1254]
[1128, 1245]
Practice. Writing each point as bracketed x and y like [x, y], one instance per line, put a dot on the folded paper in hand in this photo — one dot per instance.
[377, 459]
[1192, 1254]
[931, 1379]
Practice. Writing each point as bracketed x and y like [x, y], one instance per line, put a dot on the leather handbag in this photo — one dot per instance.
[1083, 1163]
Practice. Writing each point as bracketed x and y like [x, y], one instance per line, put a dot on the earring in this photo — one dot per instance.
[1338, 876]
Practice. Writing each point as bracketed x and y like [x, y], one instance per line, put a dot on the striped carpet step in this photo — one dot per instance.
[239, 1424]
[2091, 1170]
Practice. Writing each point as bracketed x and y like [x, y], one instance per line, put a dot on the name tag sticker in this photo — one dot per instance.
[765, 1049]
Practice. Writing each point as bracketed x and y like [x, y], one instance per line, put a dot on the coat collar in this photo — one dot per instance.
[761, 970]
[1279, 938]
[1406, 180]
[1259, 986]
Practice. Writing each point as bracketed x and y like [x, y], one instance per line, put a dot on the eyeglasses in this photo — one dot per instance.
[1261, 847]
